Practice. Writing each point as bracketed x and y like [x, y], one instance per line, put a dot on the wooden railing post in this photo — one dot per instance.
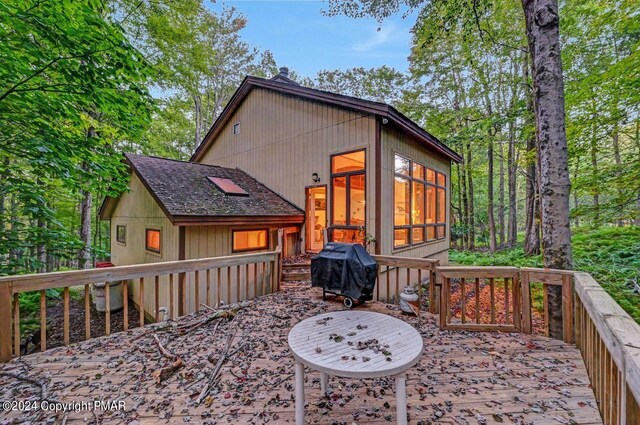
[5, 322]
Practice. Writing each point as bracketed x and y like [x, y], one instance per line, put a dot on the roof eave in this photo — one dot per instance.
[238, 220]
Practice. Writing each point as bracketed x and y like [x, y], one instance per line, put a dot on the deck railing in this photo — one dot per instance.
[394, 273]
[183, 284]
[608, 338]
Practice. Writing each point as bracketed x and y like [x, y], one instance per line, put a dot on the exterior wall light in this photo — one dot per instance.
[315, 177]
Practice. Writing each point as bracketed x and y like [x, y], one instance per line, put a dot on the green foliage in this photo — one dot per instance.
[67, 67]
[611, 255]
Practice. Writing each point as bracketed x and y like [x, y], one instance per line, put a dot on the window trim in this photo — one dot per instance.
[146, 240]
[425, 226]
[262, 229]
[124, 240]
[347, 175]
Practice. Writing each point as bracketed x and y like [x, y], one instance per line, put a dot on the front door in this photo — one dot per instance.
[316, 221]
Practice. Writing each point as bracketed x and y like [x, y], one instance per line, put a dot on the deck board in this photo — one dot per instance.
[462, 377]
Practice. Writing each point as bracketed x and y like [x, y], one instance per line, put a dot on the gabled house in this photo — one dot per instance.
[283, 156]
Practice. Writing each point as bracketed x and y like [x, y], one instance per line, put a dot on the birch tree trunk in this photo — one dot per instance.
[543, 34]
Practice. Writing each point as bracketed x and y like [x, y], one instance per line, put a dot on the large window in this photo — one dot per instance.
[419, 203]
[152, 240]
[348, 204]
[250, 240]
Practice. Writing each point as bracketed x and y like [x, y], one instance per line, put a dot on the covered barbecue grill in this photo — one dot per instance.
[345, 269]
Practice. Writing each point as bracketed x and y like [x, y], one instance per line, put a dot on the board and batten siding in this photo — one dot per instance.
[215, 241]
[283, 140]
[138, 210]
[394, 141]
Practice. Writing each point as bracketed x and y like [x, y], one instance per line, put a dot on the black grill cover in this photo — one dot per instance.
[346, 269]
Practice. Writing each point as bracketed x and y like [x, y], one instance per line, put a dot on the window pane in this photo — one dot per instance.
[417, 203]
[249, 239]
[418, 235]
[431, 233]
[402, 165]
[418, 171]
[356, 194]
[441, 232]
[121, 233]
[441, 179]
[401, 201]
[353, 161]
[431, 204]
[442, 206]
[339, 188]
[401, 237]
[348, 235]
[153, 240]
[431, 176]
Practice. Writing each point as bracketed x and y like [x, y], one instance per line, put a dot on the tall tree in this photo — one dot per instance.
[543, 33]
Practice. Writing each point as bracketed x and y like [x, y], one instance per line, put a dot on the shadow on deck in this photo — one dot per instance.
[463, 377]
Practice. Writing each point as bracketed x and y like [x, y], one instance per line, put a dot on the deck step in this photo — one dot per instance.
[291, 272]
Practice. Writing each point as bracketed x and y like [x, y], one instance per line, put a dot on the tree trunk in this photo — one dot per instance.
[491, 219]
[465, 204]
[512, 229]
[84, 256]
[472, 232]
[594, 165]
[460, 210]
[636, 221]
[616, 156]
[3, 197]
[198, 118]
[543, 34]
[501, 231]
[532, 225]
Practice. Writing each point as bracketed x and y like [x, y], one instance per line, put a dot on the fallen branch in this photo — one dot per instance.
[214, 375]
[166, 372]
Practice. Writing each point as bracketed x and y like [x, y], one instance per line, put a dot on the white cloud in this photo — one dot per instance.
[377, 39]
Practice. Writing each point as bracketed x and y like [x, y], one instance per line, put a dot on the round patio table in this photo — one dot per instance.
[354, 344]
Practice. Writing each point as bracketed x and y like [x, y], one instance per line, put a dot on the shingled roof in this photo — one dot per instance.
[187, 195]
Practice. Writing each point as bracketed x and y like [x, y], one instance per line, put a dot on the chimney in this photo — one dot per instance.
[284, 71]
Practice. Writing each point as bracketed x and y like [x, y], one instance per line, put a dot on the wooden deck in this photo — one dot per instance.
[463, 377]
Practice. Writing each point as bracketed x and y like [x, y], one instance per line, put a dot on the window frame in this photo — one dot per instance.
[347, 175]
[259, 229]
[425, 226]
[146, 240]
[124, 239]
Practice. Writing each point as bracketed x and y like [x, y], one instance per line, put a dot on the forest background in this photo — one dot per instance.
[83, 81]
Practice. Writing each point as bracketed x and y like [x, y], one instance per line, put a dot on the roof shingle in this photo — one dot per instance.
[184, 189]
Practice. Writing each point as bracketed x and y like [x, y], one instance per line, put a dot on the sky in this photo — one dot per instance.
[304, 40]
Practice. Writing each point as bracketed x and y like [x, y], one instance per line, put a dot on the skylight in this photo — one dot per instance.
[228, 186]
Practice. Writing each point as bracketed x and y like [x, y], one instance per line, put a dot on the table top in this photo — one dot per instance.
[356, 344]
